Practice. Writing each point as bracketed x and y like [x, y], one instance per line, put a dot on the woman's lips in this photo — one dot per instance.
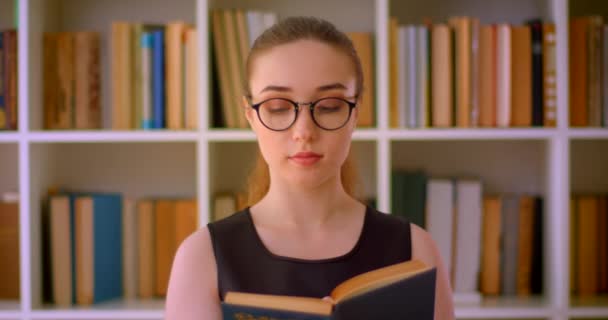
[306, 158]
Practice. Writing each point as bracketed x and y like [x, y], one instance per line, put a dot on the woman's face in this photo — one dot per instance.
[303, 71]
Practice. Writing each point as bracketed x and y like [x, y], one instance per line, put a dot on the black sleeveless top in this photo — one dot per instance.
[244, 264]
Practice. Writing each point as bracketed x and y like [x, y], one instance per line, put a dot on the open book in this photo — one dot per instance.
[400, 291]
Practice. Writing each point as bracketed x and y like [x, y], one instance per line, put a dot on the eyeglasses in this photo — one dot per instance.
[279, 114]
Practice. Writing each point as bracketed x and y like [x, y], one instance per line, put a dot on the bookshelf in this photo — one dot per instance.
[549, 161]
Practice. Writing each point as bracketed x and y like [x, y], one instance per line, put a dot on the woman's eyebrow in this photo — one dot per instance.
[276, 88]
[326, 87]
[332, 86]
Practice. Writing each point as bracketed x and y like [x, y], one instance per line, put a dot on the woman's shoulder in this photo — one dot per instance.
[386, 220]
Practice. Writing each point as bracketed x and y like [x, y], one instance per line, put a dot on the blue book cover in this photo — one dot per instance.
[158, 78]
[107, 243]
[147, 47]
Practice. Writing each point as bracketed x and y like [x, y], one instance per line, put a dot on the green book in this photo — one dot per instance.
[409, 195]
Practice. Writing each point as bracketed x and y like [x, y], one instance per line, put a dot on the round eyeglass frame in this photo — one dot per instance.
[311, 106]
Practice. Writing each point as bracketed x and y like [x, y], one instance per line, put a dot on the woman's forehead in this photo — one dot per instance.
[302, 64]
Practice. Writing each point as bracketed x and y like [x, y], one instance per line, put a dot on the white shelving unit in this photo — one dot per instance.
[203, 162]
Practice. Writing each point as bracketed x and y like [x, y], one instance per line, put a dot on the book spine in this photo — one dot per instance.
[537, 73]
[158, 78]
[2, 84]
[146, 79]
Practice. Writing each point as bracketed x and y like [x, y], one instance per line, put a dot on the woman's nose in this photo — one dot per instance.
[304, 128]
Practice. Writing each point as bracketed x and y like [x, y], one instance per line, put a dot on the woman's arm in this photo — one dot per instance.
[192, 291]
[425, 249]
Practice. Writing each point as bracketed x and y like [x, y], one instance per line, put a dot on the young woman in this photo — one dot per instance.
[304, 231]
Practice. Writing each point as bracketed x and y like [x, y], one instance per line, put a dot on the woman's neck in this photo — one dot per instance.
[305, 207]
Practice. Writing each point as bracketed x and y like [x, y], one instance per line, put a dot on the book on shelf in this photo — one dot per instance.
[466, 74]
[101, 246]
[9, 250]
[589, 244]
[71, 73]
[588, 50]
[8, 79]
[401, 291]
[233, 33]
[491, 244]
[154, 76]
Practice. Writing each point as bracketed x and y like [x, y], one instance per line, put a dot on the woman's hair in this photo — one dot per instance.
[286, 31]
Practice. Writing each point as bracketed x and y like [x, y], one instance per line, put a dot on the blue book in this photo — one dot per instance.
[401, 291]
[99, 233]
[158, 78]
[146, 61]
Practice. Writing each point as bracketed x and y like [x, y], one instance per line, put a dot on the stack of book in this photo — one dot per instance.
[588, 72]
[491, 244]
[464, 74]
[154, 76]
[8, 80]
[102, 246]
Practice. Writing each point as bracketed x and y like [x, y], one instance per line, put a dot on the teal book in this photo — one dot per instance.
[401, 291]
[99, 254]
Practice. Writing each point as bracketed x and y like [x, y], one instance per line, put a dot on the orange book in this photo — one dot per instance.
[487, 76]
[603, 243]
[578, 72]
[146, 241]
[192, 83]
[462, 27]
[50, 80]
[174, 69]
[186, 220]
[235, 67]
[490, 251]
[521, 76]
[87, 81]
[442, 76]
[65, 74]
[9, 251]
[165, 243]
[587, 257]
[525, 245]
[122, 107]
[363, 43]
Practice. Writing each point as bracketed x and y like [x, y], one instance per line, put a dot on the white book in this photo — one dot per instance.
[130, 249]
[412, 107]
[468, 236]
[402, 58]
[253, 26]
[503, 75]
[475, 31]
[439, 216]
[423, 76]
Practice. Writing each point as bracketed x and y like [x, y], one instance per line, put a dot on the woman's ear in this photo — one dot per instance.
[249, 112]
